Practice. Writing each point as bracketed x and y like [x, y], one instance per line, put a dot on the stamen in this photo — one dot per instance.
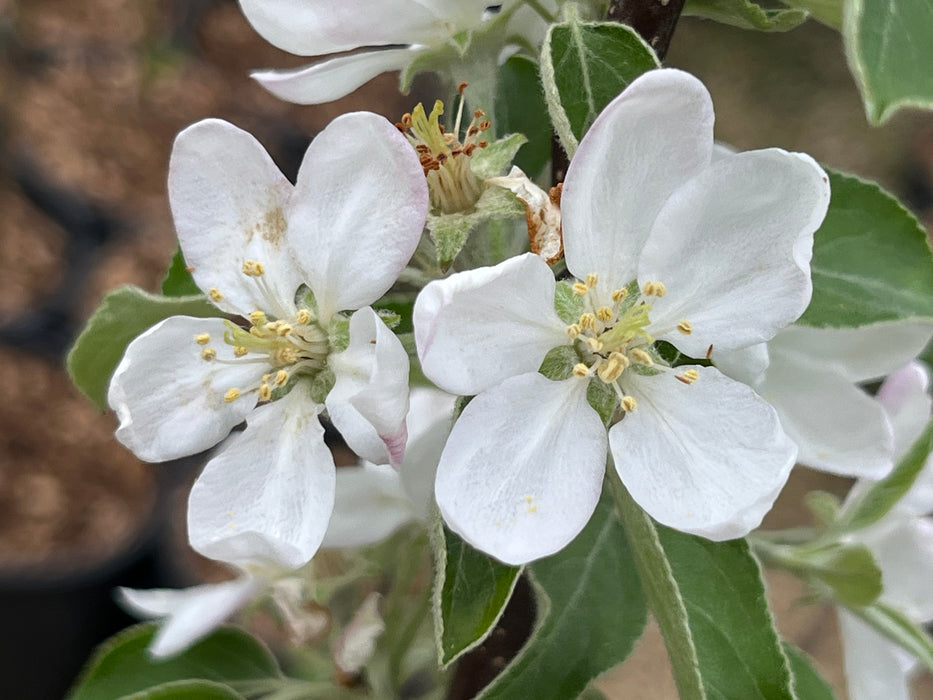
[574, 330]
[581, 370]
[688, 377]
[613, 368]
[208, 354]
[588, 322]
[202, 338]
[652, 288]
[629, 403]
[253, 268]
[303, 317]
[239, 350]
[594, 344]
[232, 394]
[258, 318]
[283, 329]
[265, 392]
[641, 357]
[685, 326]
[281, 377]
[214, 294]
[580, 289]
[604, 313]
[592, 279]
[619, 294]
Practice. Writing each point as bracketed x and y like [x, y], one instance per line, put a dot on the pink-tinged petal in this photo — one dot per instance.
[333, 78]
[478, 327]
[371, 504]
[523, 468]
[267, 495]
[229, 203]
[358, 211]
[875, 667]
[430, 419]
[170, 401]
[707, 458]
[861, 354]
[192, 613]
[733, 248]
[370, 396]
[646, 143]
[747, 365]
[838, 428]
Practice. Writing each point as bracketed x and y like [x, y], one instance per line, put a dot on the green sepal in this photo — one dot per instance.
[603, 399]
[178, 281]
[824, 507]
[746, 15]
[125, 313]
[496, 157]
[338, 333]
[569, 306]
[321, 385]
[559, 362]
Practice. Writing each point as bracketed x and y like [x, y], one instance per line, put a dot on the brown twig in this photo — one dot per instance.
[654, 20]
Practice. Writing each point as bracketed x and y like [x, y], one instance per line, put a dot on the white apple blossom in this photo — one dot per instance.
[811, 377]
[902, 543]
[665, 246]
[411, 28]
[252, 241]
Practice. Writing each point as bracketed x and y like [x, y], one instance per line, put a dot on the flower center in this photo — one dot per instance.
[612, 340]
[295, 345]
[445, 160]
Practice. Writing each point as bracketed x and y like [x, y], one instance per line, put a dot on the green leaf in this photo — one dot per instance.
[871, 261]
[122, 665]
[520, 108]
[738, 649]
[125, 313]
[584, 65]
[889, 44]
[187, 690]
[808, 683]
[900, 629]
[746, 15]
[872, 505]
[591, 611]
[178, 281]
[829, 12]
[470, 594]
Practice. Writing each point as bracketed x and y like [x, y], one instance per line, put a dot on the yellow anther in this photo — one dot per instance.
[592, 279]
[214, 294]
[253, 268]
[581, 370]
[265, 392]
[580, 289]
[239, 350]
[303, 317]
[283, 329]
[629, 403]
[254, 330]
[594, 344]
[232, 394]
[202, 338]
[258, 318]
[532, 508]
[529, 499]
[613, 368]
[208, 354]
[588, 322]
[619, 294]
[652, 288]
[685, 326]
[574, 330]
[281, 377]
[274, 326]
[688, 377]
[641, 357]
[604, 313]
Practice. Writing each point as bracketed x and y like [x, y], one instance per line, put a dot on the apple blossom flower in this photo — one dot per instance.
[411, 28]
[902, 544]
[667, 248]
[811, 377]
[289, 260]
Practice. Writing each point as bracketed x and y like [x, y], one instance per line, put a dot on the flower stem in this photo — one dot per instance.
[661, 591]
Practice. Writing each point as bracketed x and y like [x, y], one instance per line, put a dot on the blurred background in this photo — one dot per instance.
[92, 93]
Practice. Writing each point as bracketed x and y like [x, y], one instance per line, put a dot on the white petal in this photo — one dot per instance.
[327, 26]
[863, 353]
[370, 397]
[903, 547]
[229, 203]
[170, 401]
[430, 419]
[370, 505]
[733, 248]
[838, 428]
[335, 77]
[478, 327]
[906, 399]
[523, 468]
[647, 142]
[267, 495]
[359, 209]
[708, 458]
[747, 365]
[193, 612]
[875, 667]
